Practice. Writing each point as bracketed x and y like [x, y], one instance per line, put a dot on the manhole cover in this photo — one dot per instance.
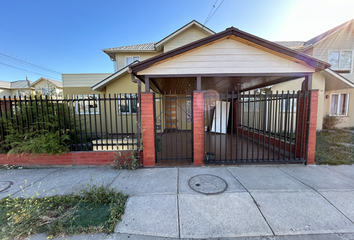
[207, 184]
[4, 186]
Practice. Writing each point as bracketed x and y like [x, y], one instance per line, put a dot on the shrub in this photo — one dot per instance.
[330, 121]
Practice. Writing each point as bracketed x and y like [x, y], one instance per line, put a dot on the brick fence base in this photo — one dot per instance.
[71, 158]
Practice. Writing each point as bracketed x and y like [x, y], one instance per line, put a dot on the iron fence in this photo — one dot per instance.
[92, 122]
[250, 127]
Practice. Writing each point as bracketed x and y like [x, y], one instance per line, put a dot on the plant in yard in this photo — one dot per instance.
[127, 160]
[330, 122]
[94, 209]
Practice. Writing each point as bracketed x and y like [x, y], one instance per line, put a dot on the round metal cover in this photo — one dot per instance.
[4, 186]
[207, 184]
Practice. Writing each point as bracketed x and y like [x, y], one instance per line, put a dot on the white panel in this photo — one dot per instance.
[221, 117]
[226, 56]
[83, 80]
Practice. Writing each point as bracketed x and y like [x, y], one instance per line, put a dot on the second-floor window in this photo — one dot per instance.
[341, 61]
[130, 59]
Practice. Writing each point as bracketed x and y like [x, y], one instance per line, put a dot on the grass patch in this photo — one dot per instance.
[95, 209]
[330, 150]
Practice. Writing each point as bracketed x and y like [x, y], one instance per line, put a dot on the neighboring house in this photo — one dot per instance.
[46, 86]
[335, 46]
[17, 88]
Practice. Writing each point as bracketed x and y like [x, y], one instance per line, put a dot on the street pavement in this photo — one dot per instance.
[268, 202]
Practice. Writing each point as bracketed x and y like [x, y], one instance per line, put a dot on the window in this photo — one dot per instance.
[87, 104]
[127, 103]
[341, 61]
[130, 59]
[339, 104]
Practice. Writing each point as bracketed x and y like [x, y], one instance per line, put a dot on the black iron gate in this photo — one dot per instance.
[256, 127]
[173, 128]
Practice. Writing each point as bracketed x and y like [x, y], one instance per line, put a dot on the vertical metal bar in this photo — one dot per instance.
[105, 119]
[21, 114]
[287, 109]
[5, 118]
[53, 112]
[220, 149]
[215, 124]
[238, 111]
[31, 113]
[2, 130]
[110, 115]
[232, 122]
[281, 105]
[47, 114]
[95, 117]
[253, 122]
[70, 132]
[115, 102]
[270, 122]
[76, 111]
[248, 122]
[16, 114]
[171, 125]
[297, 121]
[41, 102]
[126, 120]
[36, 108]
[58, 117]
[90, 119]
[131, 119]
[10, 111]
[226, 120]
[259, 124]
[242, 122]
[84, 105]
[275, 123]
[79, 116]
[63, 110]
[292, 124]
[265, 123]
[121, 118]
[181, 117]
[100, 115]
[164, 123]
[303, 124]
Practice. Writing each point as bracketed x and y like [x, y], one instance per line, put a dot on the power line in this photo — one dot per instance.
[213, 12]
[28, 63]
[28, 70]
[210, 12]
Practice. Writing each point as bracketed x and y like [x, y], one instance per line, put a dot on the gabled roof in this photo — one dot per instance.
[159, 44]
[54, 82]
[155, 46]
[100, 85]
[324, 35]
[21, 84]
[229, 32]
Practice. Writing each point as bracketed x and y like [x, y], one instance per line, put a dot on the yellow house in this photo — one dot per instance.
[336, 85]
[46, 86]
[17, 88]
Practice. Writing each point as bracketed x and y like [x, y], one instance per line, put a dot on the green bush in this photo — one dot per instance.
[329, 122]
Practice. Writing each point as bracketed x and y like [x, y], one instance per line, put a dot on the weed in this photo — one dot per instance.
[127, 160]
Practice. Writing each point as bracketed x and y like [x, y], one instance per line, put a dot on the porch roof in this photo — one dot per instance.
[249, 39]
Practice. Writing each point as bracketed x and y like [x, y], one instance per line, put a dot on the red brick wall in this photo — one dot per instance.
[198, 128]
[148, 128]
[71, 158]
[313, 126]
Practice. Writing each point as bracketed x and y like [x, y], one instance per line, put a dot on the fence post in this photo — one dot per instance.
[198, 127]
[148, 128]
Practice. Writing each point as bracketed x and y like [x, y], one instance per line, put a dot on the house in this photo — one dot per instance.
[46, 86]
[17, 88]
[200, 100]
[335, 46]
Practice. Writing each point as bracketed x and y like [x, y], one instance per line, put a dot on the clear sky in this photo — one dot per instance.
[66, 36]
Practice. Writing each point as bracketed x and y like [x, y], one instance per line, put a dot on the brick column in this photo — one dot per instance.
[311, 147]
[148, 128]
[198, 128]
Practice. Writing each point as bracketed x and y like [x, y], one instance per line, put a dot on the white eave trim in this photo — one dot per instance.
[99, 86]
[340, 77]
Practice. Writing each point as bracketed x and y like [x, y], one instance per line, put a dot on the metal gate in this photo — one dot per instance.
[256, 127]
[173, 128]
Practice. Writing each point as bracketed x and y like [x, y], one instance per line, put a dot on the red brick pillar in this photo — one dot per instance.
[198, 128]
[148, 123]
[303, 114]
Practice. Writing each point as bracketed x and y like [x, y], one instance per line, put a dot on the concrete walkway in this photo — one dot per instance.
[261, 202]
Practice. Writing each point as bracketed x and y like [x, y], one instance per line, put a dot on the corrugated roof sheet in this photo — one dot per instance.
[144, 46]
[56, 83]
[16, 84]
[4, 84]
[291, 44]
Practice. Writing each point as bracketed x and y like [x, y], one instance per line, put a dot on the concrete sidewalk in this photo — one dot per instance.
[260, 202]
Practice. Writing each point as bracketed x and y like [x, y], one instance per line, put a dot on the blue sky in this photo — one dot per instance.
[67, 36]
